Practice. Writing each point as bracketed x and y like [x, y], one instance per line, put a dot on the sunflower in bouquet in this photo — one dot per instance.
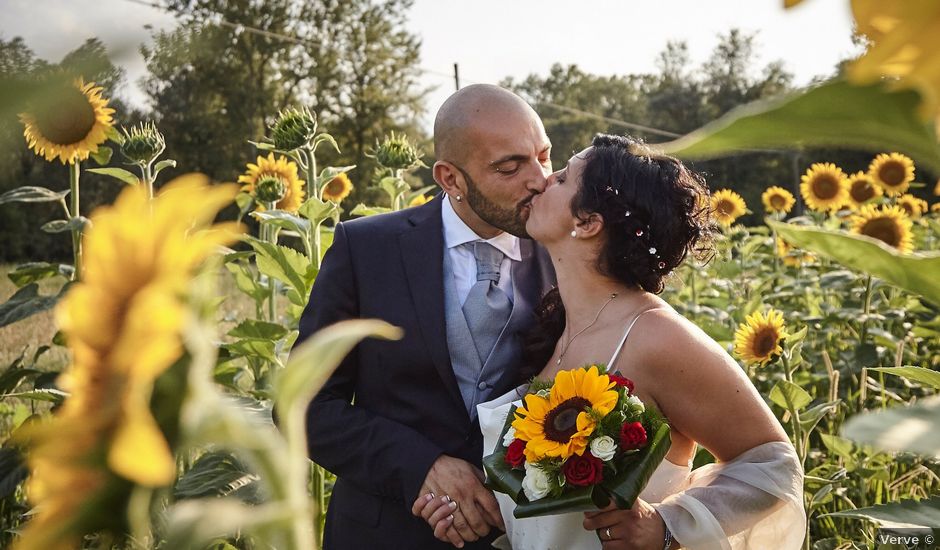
[576, 443]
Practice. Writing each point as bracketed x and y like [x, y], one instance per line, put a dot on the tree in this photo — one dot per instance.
[215, 82]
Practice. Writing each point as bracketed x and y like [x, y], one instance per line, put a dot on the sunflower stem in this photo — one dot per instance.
[270, 235]
[148, 179]
[863, 333]
[74, 172]
[795, 414]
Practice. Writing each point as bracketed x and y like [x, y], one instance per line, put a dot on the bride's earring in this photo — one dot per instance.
[459, 198]
[574, 233]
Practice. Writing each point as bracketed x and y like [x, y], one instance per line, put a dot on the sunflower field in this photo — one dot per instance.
[177, 330]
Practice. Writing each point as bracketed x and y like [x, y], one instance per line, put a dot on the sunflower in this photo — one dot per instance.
[888, 224]
[935, 207]
[69, 126]
[892, 172]
[282, 169]
[904, 48]
[337, 188]
[777, 199]
[912, 206]
[862, 189]
[124, 323]
[558, 425]
[824, 187]
[758, 339]
[419, 200]
[790, 255]
[727, 206]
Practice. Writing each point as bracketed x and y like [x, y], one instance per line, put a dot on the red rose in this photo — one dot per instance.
[632, 436]
[583, 470]
[514, 454]
[622, 382]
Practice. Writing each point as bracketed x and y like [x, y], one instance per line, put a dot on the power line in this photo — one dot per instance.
[304, 41]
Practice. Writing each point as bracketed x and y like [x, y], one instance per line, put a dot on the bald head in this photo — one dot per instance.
[470, 108]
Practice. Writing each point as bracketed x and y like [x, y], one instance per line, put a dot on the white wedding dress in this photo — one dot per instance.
[758, 496]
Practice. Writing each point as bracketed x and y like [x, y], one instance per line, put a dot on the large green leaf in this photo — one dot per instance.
[284, 220]
[363, 210]
[500, 476]
[31, 193]
[833, 114]
[789, 396]
[915, 273]
[260, 330]
[629, 482]
[917, 374]
[284, 264]
[924, 513]
[218, 474]
[26, 302]
[31, 272]
[914, 429]
[119, 174]
[314, 360]
[60, 226]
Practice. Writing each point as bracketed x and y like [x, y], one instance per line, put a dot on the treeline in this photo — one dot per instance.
[219, 78]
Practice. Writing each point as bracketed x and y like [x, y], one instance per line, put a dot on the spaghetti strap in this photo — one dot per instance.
[626, 333]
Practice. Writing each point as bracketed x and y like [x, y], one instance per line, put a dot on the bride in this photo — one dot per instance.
[616, 221]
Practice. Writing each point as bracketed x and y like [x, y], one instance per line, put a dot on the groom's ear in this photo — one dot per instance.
[591, 225]
[446, 175]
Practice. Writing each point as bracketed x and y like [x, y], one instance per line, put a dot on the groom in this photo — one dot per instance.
[398, 419]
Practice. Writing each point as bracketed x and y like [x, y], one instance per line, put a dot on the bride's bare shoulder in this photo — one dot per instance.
[663, 340]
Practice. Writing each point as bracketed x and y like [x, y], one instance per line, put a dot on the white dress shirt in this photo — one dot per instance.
[457, 234]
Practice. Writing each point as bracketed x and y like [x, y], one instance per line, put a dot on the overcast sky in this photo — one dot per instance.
[492, 39]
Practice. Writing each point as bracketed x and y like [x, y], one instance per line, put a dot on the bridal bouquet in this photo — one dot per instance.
[577, 443]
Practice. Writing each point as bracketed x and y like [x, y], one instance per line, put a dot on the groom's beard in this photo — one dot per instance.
[511, 221]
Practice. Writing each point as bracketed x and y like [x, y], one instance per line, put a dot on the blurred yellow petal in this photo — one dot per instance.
[140, 453]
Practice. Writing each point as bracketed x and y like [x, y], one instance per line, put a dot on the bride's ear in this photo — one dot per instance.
[591, 225]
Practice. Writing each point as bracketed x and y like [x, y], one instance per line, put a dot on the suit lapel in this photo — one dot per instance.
[422, 253]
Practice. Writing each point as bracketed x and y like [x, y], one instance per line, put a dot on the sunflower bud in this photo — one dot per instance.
[293, 129]
[397, 153]
[270, 189]
[142, 144]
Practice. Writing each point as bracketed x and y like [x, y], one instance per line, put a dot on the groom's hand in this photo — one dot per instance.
[476, 511]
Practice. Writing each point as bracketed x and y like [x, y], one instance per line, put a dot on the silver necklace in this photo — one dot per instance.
[564, 349]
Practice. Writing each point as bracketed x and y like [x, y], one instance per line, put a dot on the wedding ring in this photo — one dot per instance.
[607, 532]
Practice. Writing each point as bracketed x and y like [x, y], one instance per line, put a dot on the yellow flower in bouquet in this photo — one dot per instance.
[558, 424]
[123, 323]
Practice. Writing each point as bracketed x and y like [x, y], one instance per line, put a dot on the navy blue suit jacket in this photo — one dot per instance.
[392, 407]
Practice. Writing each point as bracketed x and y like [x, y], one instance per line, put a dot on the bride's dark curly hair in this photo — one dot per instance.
[655, 211]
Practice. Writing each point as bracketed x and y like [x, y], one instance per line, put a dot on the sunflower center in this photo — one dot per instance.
[765, 341]
[66, 119]
[562, 421]
[908, 207]
[884, 229]
[861, 191]
[892, 174]
[335, 187]
[825, 187]
[778, 202]
[725, 207]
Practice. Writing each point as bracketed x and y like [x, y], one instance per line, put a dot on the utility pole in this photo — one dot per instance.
[456, 78]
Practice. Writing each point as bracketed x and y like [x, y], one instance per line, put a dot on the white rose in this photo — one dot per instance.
[536, 484]
[604, 447]
[634, 403]
[509, 437]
